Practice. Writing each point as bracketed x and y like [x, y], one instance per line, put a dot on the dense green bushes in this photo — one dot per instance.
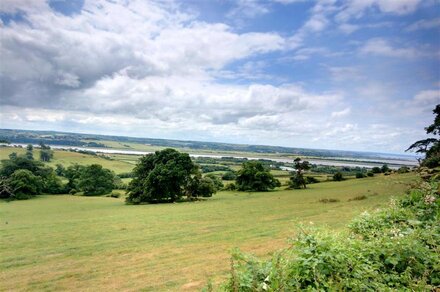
[253, 176]
[393, 249]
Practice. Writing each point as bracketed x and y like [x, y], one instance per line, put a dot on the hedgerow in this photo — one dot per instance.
[397, 248]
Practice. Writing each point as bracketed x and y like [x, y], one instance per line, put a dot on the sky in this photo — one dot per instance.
[351, 75]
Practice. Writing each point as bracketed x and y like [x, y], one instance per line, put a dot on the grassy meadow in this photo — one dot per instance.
[99, 244]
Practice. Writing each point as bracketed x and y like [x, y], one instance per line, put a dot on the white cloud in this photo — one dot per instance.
[430, 97]
[382, 47]
[424, 24]
[357, 8]
[341, 113]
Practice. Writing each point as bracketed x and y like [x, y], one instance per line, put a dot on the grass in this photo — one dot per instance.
[118, 164]
[99, 243]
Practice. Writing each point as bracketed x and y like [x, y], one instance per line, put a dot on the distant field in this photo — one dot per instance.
[120, 164]
[75, 243]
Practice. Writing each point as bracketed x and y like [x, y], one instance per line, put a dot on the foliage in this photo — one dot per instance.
[338, 176]
[60, 169]
[370, 174]
[73, 173]
[46, 155]
[229, 175]
[201, 187]
[165, 176]
[385, 168]
[49, 182]
[430, 146]
[403, 169]
[297, 179]
[95, 180]
[24, 184]
[311, 180]
[376, 170]
[253, 176]
[216, 180]
[393, 249]
[211, 168]
[360, 175]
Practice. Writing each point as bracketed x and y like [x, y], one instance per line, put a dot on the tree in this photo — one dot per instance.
[253, 176]
[218, 184]
[13, 155]
[338, 176]
[430, 147]
[360, 175]
[60, 170]
[385, 168]
[164, 176]
[376, 170]
[24, 184]
[73, 173]
[46, 155]
[297, 179]
[229, 175]
[29, 154]
[95, 180]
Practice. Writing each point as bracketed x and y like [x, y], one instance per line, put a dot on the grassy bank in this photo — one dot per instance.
[70, 242]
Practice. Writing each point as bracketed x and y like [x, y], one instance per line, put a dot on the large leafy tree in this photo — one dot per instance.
[164, 176]
[253, 176]
[430, 147]
[95, 180]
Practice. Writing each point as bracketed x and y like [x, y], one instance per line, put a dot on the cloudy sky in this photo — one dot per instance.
[354, 75]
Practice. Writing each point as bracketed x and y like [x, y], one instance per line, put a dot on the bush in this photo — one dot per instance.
[370, 174]
[376, 170]
[338, 177]
[311, 180]
[360, 175]
[229, 175]
[253, 176]
[358, 198]
[96, 180]
[24, 184]
[331, 200]
[395, 249]
[230, 187]
[403, 169]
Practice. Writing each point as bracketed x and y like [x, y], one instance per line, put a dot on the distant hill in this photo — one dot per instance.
[90, 140]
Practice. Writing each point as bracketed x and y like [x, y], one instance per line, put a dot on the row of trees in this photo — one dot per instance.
[46, 154]
[22, 178]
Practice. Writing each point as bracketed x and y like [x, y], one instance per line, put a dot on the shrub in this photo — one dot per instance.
[24, 184]
[338, 177]
[311, 180]
[230, 187]
[96, 180]
[358, 198]
[395, 249]
[229, 175]
[403, 169]
[376, 169]
[370, 174]
[253, 176]
[360, 175]
[329, 200]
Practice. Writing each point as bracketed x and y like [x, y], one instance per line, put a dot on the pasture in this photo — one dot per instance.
[98, 243]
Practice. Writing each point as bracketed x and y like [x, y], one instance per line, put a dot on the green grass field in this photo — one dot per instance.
[100, 244]
[119, 163]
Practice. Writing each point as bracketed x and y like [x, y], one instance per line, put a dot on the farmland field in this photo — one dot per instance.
[100, 244]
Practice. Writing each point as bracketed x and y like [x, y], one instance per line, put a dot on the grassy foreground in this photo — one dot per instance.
[98, 243]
